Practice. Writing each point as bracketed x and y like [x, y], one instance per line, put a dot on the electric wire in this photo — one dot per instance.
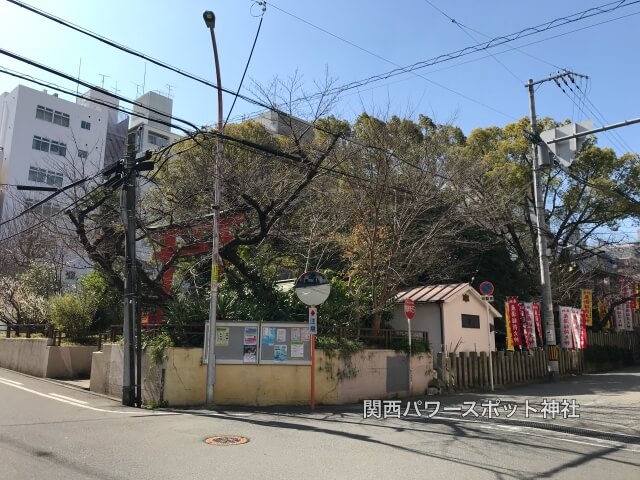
[586, 99]
[255, 40]
[390, 62]
[615, 139]
[546, 39]
[553, 24]
[591, 12]
[241, 142]
[463, 29]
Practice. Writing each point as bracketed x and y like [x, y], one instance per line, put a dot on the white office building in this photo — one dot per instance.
[51, 142]
[151, 134]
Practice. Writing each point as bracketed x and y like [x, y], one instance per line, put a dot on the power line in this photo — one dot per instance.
[255, 40]
[463, 29]
[47, 219]
[380, 57]
[605, 121]
[558, 22]
[616, 139]
[552, 37]
[338, 90]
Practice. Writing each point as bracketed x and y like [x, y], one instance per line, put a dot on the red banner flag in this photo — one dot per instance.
[538, 320]
[514, 319]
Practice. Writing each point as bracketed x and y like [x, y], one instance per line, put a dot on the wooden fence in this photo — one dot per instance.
[626, 340]
[470, 370]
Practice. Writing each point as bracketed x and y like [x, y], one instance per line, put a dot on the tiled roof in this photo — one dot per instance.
[431, 293]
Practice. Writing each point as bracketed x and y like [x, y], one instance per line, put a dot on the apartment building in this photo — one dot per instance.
[47, 141]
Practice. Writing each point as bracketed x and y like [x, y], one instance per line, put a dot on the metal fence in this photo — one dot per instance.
[188, 335]
[380, 338]
[192, 335]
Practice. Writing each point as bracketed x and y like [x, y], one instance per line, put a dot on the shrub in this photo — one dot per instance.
[71, 314]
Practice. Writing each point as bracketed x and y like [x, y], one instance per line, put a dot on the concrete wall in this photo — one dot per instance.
[26, 355]
[368, 375]
[180, 378]
[69, 362]
[34, 357]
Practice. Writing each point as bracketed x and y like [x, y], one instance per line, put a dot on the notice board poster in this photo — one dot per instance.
[285, 344]
[237, 343]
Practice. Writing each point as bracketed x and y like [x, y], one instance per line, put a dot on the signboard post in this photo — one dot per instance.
[486, 289]
[409, 311]
[312, 288]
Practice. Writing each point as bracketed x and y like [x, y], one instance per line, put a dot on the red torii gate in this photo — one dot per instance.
[195, 233]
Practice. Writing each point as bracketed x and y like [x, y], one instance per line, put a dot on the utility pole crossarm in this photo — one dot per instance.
[595, 130]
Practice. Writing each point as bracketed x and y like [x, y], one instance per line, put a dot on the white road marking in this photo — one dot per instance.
[69, 398]
[10, 381]
[75, 404]
[529, 431]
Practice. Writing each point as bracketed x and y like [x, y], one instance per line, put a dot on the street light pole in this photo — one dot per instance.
[210, 21]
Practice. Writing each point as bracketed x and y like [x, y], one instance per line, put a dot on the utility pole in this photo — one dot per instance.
[132, 331]
[542, 229]
[130, 280]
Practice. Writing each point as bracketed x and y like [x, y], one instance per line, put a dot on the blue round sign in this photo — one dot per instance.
[486, 288]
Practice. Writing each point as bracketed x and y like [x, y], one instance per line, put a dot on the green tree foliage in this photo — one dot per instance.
[96, 289]
[73, 314]
[493, 170]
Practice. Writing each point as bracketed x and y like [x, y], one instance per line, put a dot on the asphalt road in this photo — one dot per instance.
[50, 431]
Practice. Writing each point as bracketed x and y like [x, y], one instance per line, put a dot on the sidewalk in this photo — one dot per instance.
[606, 404]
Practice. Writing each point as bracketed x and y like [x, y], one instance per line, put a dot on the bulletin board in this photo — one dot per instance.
[237, 343]
[285, 344]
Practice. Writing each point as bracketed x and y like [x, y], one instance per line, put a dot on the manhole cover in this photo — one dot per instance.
[225, 440]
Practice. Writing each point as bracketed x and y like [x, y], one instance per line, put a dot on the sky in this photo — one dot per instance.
[347, 41]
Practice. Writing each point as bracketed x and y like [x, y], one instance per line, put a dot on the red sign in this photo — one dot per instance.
[409, 308]
[514, 318]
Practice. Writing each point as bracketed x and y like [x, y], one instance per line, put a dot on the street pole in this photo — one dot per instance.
[209, 19]
[409, 360]
[128, 379]
[542, 229]
[490, 349]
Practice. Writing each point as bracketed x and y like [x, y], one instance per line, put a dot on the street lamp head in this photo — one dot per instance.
[209, 18]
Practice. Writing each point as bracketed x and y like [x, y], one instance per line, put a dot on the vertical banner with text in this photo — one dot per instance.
[529, 325]
[507, 324]
[538, 320]
[566, 337]
[587, 305]
[514, 321]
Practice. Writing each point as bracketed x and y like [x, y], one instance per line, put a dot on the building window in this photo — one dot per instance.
[58, 148]
[60, 118]
[55, 179]
[53, 116]
[45, 114]
[40, 175]
[70, 275]
[85, 125]
[37, 175]
[470, 321]
[159, 140]
[82, 153]
[40, 143]
[45, 145]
